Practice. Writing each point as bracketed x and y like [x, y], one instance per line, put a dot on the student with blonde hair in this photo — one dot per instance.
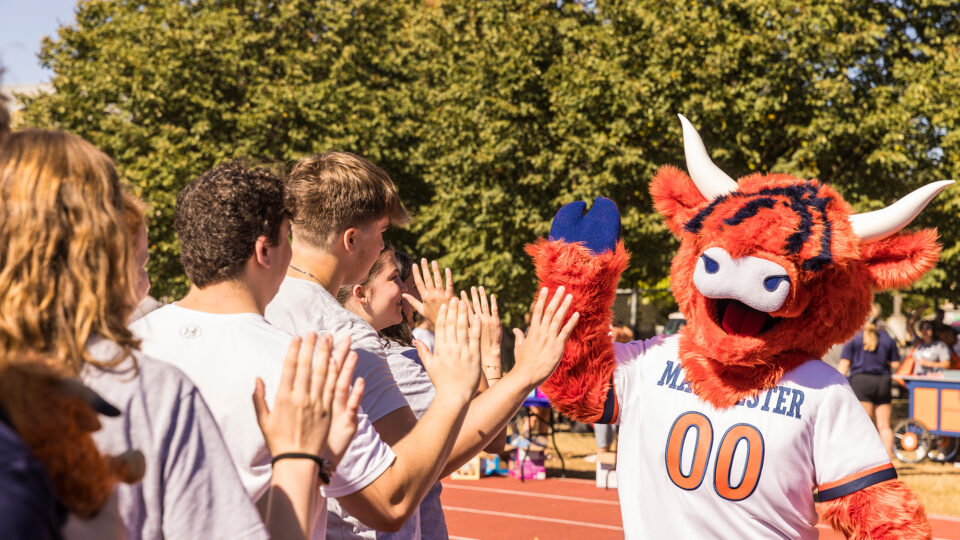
[66, 291]
[868, 357]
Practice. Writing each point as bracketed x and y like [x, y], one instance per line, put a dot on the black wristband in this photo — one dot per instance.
[323, 466]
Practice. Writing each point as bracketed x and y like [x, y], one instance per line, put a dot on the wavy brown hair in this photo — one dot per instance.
[63, 261]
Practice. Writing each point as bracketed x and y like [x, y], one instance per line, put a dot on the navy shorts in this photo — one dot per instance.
[871, 387]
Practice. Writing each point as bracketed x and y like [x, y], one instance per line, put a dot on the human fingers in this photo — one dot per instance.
[463, 324]
[474, 336]
[426, 357]
[465, 302]
[323, 368]
[260, 403]
[417, 278]
[301, 385]
[440, 326]
[339, 363]
[557, 320]
[417, 304]
[437, 280]
[494, 312]
[341, 389]
[449, 277]
[475, 298]
[427, 277]
[484, 305]
[519, 337]
[551, 308]
[290, 365]
[571, 324]
[450, 329]
[538, 307]
[356, 395]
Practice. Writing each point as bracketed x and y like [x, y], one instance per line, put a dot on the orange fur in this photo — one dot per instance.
[884, 511]
[578, 388]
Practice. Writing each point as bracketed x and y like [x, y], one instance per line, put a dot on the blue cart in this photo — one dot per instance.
[932, 430]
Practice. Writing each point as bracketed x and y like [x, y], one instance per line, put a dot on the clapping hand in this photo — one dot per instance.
[313, 396]
[539, 351]
[433, 291]
[490, 330]
[454, 366]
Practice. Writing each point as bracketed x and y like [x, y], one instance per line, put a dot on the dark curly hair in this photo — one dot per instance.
[221, 214]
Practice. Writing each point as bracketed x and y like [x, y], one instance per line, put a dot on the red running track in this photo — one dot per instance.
[560, 508]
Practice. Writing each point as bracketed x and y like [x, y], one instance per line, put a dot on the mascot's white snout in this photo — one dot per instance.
[758, 283]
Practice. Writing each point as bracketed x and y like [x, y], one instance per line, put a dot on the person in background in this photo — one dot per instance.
[930, 355]
[134, 219]
[866, 360]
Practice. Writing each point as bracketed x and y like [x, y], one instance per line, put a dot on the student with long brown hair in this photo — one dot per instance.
[65, 292]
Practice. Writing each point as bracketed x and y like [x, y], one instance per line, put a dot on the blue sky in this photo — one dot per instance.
[23, 23]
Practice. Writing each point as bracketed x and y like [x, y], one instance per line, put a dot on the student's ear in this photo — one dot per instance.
[261, 251]
[349, 239]
[359, 293]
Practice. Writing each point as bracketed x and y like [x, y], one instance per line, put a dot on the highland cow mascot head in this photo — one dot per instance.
[735, 427]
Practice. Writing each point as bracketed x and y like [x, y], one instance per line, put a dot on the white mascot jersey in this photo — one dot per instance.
[689, 470]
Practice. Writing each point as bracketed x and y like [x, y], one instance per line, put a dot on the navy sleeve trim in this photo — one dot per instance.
[858, 483]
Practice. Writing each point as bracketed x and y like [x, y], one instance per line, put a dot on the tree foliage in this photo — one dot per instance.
[490, 115]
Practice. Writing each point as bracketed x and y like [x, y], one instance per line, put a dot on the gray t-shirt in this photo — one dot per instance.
[935, 351]
[418, 389]
[190, 488]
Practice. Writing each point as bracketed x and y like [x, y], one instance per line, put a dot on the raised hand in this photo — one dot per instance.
[539, 351]
[304, 406]
[454, 366]
[490, 331]
[433, 291]
[598, 230]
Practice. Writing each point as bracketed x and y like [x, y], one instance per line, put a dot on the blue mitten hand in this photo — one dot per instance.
[599, 230]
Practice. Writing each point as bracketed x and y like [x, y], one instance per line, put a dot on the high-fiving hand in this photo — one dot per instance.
[539, 351]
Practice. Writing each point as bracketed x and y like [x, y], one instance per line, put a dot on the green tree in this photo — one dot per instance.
[490, 115]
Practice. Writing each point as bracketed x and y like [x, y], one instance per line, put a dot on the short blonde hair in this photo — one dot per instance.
[331, 192]
[63, 266]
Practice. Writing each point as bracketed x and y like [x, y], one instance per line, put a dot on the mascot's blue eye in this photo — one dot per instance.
[772, 282]
[710, 265]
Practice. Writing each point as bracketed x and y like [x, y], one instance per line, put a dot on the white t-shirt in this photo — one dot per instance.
[748, 471]
[190, 488]
[224, 354]
[302, 306]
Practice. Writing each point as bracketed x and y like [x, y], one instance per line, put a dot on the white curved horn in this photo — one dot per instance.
[709, 179]
[879, 224]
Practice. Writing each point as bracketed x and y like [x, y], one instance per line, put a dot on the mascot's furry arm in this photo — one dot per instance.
[584, 255]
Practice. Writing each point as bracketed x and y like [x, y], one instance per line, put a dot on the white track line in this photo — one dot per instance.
[944, 518]
[529, 494]
[460, 538]
[532, 518]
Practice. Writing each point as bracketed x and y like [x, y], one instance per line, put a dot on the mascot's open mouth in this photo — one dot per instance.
[739, 319]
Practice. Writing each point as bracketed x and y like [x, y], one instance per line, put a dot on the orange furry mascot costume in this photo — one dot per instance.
[734, 427]
[55, 417]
